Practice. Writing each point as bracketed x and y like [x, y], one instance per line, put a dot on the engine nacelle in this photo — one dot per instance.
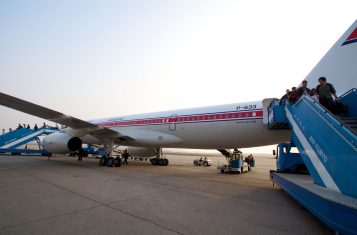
[61, 143]
[141, 152]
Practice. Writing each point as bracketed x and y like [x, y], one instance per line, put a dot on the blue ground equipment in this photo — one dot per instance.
[327, 146]
[288, 161]
[236, 164]
[11, 141]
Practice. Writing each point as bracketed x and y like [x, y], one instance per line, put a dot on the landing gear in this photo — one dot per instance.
[110, 161]
[154, 161]
[159, 159]
[103, 161]
[118, 162]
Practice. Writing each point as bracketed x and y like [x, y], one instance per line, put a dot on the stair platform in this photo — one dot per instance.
[337, 210]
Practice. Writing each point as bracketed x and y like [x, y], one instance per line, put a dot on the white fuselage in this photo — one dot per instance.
[224, 126]
[232, 125]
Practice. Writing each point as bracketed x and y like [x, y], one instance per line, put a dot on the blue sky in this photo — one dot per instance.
[92, 59]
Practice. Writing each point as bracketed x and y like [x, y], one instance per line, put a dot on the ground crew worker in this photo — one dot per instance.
[125, 156]
[235, 154]
[80, 156]
[250, 160]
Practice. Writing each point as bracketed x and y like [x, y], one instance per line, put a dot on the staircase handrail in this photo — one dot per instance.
[346, 93]
[337, 125]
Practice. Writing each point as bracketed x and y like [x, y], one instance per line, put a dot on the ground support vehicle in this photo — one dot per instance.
[236, 164]
[202, 162]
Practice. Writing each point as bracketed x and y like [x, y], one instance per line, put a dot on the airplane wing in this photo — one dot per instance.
[54, 116]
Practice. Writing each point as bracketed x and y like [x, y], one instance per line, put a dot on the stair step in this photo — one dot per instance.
[348, 117]
[349, 120]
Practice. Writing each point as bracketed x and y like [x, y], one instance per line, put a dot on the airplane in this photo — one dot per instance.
[215, 127]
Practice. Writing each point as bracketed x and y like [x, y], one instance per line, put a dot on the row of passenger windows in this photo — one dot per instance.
[184, 119]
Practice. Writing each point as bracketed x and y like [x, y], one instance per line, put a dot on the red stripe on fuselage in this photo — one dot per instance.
[188, 119]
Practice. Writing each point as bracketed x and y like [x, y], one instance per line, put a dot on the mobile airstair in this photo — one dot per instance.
[13, 141]
[327, 145]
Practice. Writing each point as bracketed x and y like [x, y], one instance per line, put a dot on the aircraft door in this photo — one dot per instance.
[266, 103]
[172, 122]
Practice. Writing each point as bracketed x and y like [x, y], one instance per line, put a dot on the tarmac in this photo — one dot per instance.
[64, 196]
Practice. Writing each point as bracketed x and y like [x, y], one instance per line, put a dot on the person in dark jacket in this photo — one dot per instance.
[284, 98]
[326, 92]
[303, 90]
[292, 96]
[125, 156]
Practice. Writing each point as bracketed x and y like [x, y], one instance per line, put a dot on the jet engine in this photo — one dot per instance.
[61, 143]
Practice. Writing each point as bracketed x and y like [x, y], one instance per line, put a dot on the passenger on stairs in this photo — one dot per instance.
[303, 90]
[35, 127]
[3, 131]
[284, 98]
[292, 97]
[326, 92]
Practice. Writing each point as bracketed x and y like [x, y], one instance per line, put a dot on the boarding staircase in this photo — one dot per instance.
[11, 141]
[327, 144]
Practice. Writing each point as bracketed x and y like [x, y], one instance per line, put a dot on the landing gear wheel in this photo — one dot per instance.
[205, 163]
[102, 161]
[110, 162]
[117, 162]
[166, 162]
[154, 161]
[161, 162]
[195, 163]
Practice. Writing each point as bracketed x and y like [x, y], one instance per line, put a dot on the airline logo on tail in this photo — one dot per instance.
[352, 38]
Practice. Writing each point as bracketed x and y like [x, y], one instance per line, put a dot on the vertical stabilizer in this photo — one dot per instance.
[339, 65]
